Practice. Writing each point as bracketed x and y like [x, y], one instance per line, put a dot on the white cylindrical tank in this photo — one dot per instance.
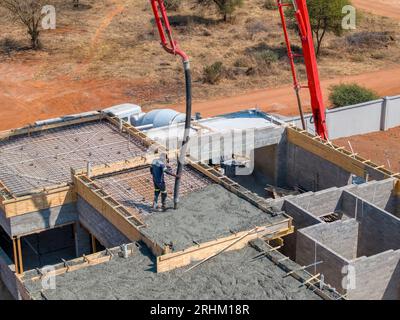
[161, 118]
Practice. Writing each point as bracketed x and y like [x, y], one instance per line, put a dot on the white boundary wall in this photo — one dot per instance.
[372, 116]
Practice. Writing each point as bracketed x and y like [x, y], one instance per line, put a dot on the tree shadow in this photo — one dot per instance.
[280, 51]
[187, 20]
[9, 45]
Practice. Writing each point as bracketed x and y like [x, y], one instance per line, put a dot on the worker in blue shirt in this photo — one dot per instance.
[158, 169]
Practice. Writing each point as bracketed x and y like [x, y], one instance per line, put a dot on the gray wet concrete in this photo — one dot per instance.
[205, 215]
[231, 275]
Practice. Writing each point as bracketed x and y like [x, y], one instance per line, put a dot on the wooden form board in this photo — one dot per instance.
[119, 166]
[32, 129]
[336, 155]
[397, 188]
[48, 198]
[171, 261]
[76, 264]
[114, 212]
[125, 126]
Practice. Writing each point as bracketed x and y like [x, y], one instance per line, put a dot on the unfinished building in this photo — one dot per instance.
[76, 195]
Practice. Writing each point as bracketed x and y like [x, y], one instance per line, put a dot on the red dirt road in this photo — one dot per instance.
[380, 147]
[282, 100]
[387, 8]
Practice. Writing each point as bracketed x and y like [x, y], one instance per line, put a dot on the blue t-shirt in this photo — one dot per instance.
[157, 169]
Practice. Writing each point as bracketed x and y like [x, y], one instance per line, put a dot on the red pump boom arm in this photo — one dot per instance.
[164, 29]
[310, 59]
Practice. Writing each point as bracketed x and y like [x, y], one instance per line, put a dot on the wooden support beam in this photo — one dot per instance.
[15, 255]
[20, 262]
[397, 188]
[94, 245]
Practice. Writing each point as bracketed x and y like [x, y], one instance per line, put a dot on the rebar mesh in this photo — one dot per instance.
[134, 189]
[45, 158]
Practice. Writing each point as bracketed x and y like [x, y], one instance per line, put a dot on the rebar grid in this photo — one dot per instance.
[135, 190]
[45, 158]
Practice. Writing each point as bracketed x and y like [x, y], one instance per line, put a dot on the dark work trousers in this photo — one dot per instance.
[160, 188]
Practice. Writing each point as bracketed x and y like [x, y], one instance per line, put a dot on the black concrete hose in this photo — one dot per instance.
[186, 135]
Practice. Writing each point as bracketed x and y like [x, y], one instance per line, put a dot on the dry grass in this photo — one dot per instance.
[93, 43]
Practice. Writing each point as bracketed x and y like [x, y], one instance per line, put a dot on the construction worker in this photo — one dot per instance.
[158, 169]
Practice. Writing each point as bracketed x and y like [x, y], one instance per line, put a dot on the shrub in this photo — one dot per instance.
[173, 5]
[213, 73]
[369, 39]
[349, 94]
[267, 57]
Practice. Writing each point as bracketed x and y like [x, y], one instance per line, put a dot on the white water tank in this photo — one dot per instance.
[160, 118]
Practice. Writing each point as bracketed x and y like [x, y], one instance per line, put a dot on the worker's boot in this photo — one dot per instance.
[164, 201]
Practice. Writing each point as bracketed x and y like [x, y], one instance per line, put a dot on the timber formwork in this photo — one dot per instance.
[36, 162]
[102, 194]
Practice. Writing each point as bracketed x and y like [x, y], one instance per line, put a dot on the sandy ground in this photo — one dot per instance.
[387, 8]
[191, 222]
[26, 97]
[283, 100]
[380, 147]
[24, 100]
[232, 275]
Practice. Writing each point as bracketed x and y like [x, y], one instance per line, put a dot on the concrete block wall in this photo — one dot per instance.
[7, 274]
[379, 230]
[392, 118]
[101, 228]
[5, 223]
[265, 163]
[84, 245]
[301, 219]
[379, 193]
[340, 236]
[320, 203]
[377, 115]
[312, 173]
[377, 277]
[310, 251]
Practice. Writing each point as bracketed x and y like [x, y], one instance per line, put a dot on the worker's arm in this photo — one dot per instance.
[168, 170]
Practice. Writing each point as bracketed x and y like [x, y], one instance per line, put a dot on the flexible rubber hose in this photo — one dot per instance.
[185, 141]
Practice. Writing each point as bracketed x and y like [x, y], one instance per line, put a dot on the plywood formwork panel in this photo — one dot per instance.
[171, 261]
[51, 198]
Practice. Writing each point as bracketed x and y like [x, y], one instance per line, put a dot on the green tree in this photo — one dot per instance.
[225, 7]
[349, 94]
[325, 16]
